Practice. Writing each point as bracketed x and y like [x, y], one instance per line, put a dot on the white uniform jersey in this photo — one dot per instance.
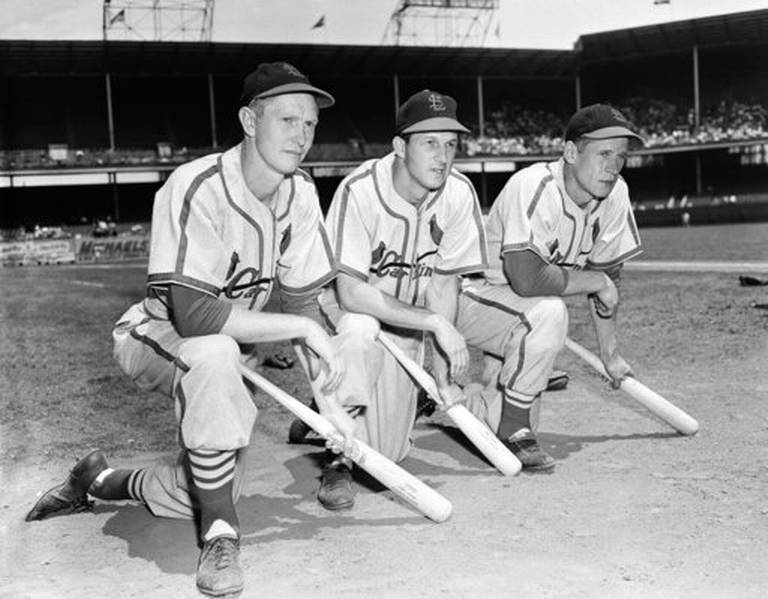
[210, 233]
[379, 237]
[534, 212]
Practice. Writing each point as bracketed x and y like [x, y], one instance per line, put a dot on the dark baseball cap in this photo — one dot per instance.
[428, 111]
[599, 121]
[277, 78]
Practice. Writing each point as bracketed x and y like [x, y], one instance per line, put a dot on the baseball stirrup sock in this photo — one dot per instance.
[213, 474]
[515, 414]
[119, 484]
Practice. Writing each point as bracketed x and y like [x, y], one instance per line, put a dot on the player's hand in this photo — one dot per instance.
[452, 344]
[338, 416]
[450, 396]
[319, 342]
[606, 300]
[618, 369]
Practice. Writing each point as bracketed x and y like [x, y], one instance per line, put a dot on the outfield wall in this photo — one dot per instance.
[76, 249]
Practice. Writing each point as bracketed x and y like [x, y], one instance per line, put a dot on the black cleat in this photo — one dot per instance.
[71, 496]
[425, 405]
[527, 449]
[558, 380]
[335, 492]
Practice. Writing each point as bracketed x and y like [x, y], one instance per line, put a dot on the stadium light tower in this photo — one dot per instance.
[158, 20]
[441, 22]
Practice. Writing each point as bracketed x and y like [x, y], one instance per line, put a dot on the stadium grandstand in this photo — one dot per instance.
[89, 130]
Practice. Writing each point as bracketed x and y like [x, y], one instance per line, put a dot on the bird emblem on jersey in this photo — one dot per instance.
[595, 231]
[435, 232]
[285, 240]
[378, 253]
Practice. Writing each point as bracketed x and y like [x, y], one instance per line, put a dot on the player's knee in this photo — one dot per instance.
[552, 314]
[211, 351]
[549, 322]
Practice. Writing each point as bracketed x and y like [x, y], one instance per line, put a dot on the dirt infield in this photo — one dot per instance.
[632, 509]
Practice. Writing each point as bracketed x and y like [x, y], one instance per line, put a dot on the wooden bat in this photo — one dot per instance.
[654, 402]
[478, 433]
[428, 501]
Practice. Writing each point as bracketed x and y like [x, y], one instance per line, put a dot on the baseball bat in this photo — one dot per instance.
[406, 486]
[654, 402]
[478, 433]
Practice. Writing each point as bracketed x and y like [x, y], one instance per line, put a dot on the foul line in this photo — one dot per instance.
[696, 266]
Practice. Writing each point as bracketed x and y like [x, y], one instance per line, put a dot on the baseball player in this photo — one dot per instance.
[226, 228]
[556, 229]
[403, 229]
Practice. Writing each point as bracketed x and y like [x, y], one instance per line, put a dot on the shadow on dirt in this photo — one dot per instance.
[561, 446]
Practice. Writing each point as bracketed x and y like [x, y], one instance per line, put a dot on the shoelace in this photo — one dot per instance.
[224, 552]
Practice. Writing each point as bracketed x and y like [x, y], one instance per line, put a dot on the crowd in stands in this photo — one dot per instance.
[508, 131]
[660, 123]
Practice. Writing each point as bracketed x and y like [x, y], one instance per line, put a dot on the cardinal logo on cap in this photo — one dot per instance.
[436, 103]
[289, 68]
[618, 116]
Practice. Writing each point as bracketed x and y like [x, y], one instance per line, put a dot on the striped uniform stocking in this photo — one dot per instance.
[515, 414]
[213, 473]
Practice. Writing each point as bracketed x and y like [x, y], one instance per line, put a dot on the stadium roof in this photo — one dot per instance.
[731, 30]
[88, 57]
[24, 57]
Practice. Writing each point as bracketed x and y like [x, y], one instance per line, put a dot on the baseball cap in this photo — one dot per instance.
[428, 111]
[277, 78]
[599, 121]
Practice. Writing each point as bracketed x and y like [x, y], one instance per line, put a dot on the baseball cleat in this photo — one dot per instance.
[335, 492]
[218, 571]
[71, 496]
[526, 448]
[425, 405]
[558, 380]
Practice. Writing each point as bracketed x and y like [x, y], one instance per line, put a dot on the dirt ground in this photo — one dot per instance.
[632, 509]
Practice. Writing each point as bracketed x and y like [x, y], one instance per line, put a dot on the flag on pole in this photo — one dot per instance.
[320, 23]
[118, 17]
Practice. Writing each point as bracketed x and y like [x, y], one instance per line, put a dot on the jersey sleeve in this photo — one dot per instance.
[306, 261]
[186, 246]
[616, 237]
[463, 248]
[523, 215]
[349, 233]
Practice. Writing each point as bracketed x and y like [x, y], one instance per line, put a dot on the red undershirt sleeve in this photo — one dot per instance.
[530, 276]
[195, 313]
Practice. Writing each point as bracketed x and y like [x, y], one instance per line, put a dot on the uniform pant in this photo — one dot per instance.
[520, 337]
[213, 406]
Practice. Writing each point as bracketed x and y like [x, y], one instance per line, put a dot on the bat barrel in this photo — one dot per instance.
[658, 405]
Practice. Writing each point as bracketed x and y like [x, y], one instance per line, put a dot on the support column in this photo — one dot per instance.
[480, 106]
[698, 174]
[212, 105]
[577, 90]
[396, 90]
[110, 116]
[112, 175]
[696, 99]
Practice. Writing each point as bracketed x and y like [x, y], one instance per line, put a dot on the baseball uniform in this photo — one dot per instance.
[211, 234]
[533, 212]
[380, 238]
